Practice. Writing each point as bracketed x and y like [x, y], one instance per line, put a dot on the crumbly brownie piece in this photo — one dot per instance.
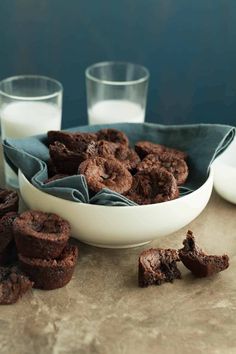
[40, 235]
[157, 266]
[105, 148]
[106, 173]
[67, 161]
[153, 186]
[55, 177]
[170, 162]
[144, 148]
[51, 274]
[13, 284]
[128, 157]
[113, 135]
[77, 141]
[7, 243]
[198, 262]
[9, 201]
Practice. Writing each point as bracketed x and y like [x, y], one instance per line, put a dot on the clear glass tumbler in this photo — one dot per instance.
[116, 92]
[29, 105]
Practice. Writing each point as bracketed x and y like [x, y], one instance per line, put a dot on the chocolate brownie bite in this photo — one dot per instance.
[74, 141]
[9, 201]
[157, 266]
[121, 152]
[49, 274]
[113, 135]
[128, 157]
[65, 160]
[144, 148]
[40, 235]
[170, 162]
[106, 173]
[7, 244]
[153, 186]
[13, 284]
[105, 148]
[6, 232]
[198, 262]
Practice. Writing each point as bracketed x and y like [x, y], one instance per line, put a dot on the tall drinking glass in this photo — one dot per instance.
[116, 92]
[29, 105]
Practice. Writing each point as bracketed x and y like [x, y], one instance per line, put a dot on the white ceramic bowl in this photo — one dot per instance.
[120, 227]
[224, 169]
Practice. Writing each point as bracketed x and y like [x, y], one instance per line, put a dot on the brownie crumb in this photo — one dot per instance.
[157, 266]
[198, 262]
[13, 284]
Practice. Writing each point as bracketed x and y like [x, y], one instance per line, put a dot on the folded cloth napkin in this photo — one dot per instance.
[202, 142]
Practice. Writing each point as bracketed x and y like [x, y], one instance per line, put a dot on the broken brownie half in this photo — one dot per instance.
[198, 262]
[157, 266]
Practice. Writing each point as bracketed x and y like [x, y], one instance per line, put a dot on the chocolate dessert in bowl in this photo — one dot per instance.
[134, 182]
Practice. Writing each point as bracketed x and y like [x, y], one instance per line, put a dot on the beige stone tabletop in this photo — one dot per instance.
[103, 311]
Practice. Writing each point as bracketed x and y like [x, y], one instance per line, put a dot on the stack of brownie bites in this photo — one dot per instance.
[149, 174]
[43, 249]
[34, 250]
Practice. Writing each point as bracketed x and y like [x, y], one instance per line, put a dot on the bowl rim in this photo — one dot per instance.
[86, 205]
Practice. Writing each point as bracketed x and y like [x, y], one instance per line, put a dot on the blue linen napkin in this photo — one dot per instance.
[202, 142]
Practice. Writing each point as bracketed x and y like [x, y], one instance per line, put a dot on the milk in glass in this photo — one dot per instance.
[22, 119]
[116, 111]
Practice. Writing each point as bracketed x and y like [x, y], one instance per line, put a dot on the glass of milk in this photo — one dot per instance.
[29, 105]
[116, 92]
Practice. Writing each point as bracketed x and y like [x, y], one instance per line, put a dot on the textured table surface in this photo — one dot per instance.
[103, 311]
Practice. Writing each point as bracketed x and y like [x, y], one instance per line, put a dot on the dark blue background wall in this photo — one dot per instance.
[189, 47]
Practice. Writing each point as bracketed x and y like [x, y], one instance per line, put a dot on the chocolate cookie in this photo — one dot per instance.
[106, 173]
[170, 162]
[153, 186]
[7, 243]
[9, 201]
[157, 266]
[51, 274]
[113, 135]
[198, 262]
[13, 284]
[144, 148]
[40, 235]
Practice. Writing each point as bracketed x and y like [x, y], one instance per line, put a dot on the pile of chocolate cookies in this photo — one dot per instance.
[150, 173]
[34, 250]
[157, 266]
